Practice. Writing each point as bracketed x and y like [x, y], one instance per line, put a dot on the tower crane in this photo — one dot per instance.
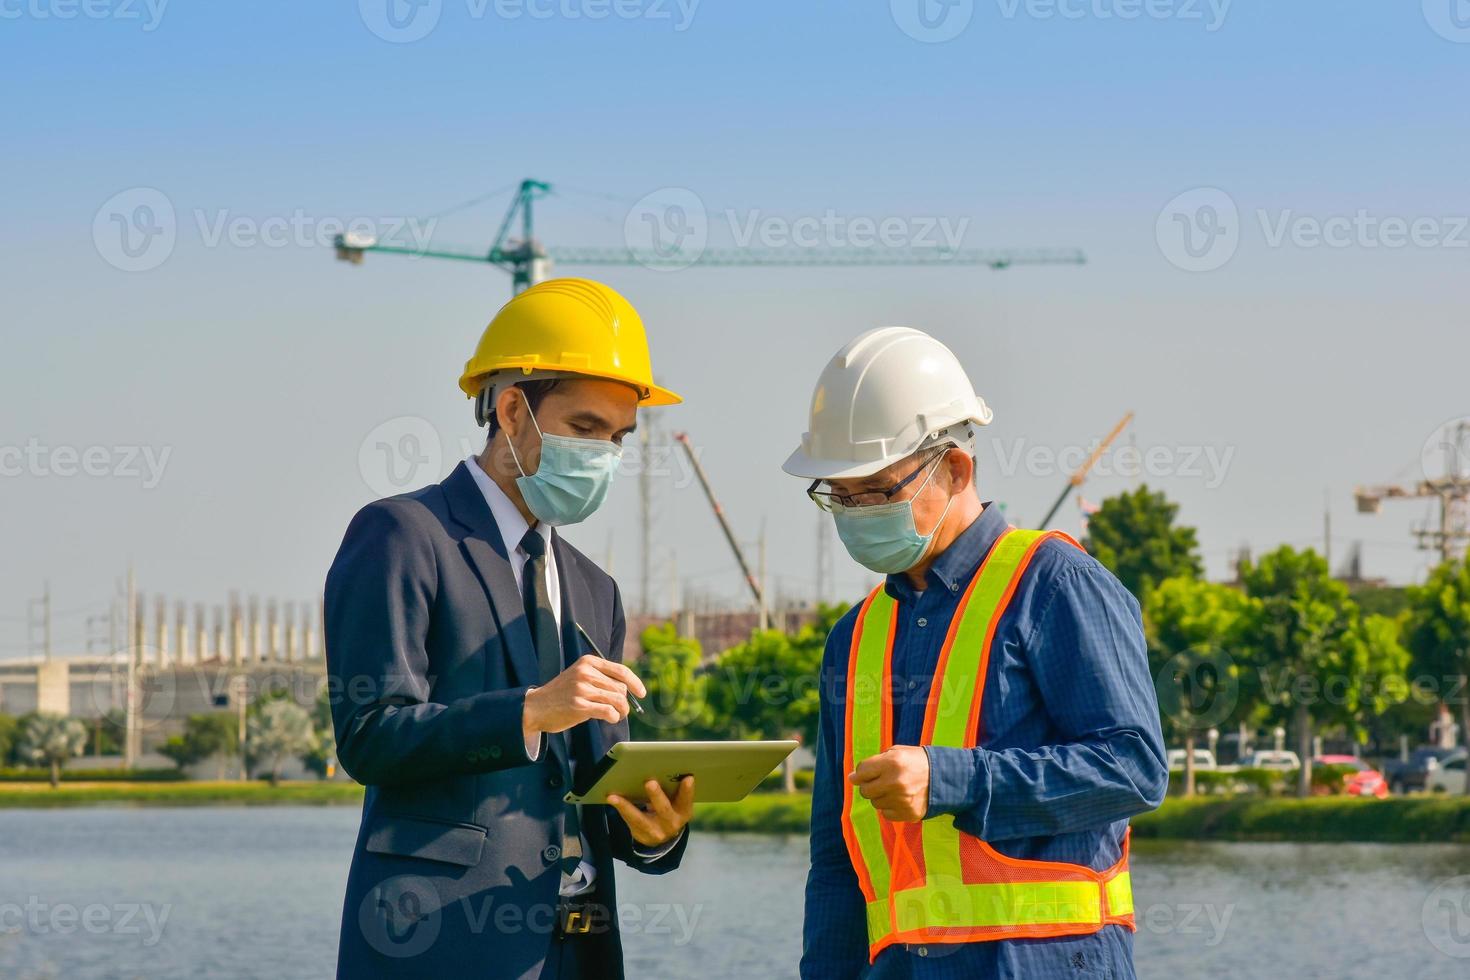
[528, 261]
[1452, 491]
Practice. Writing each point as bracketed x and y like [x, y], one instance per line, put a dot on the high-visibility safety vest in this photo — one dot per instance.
[929, 882]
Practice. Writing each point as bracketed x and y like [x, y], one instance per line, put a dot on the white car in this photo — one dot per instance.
[1271, 759]
[1203, 759]
[1449, 775]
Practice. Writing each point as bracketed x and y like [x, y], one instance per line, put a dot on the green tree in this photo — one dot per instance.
[1191, 627]
[677, 705]
[768, 687]
[50, 739]
[9, 729]
[321, 756]
[277, 731]
[1305, 638]
[1135, 537]
[1388, 663]
[1438, 634]
[206, 736]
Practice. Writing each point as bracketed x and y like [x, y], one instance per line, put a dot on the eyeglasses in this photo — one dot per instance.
[829, 501]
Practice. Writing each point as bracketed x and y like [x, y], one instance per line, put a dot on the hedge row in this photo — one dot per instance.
[93, 775]
[1322, 818]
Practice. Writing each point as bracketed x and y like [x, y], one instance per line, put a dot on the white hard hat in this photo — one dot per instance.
[885, 395]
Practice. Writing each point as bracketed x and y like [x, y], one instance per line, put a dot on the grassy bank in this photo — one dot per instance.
[1411, 819]
[256, 793]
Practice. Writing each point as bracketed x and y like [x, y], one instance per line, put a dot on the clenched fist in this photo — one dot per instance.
[897, 782]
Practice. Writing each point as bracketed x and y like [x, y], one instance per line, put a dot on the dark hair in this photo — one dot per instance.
[536, 391]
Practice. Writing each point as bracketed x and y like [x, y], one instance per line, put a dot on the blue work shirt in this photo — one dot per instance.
[1071, 748]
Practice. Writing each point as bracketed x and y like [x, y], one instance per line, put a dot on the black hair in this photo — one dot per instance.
[535, 391]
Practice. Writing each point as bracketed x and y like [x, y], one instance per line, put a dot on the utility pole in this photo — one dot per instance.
[38, 622]
[130, 699]
[765, 612]
[645, 525]
[1327, 529]
[824, 558]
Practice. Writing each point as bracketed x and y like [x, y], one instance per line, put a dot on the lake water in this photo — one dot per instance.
[256, 892]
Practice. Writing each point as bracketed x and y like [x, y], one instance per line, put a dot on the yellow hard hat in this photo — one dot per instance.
[572, 325]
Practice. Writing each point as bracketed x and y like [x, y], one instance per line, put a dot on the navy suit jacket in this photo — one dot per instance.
[429, 655]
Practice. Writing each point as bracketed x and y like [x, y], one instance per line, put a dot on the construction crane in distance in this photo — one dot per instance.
[709, 491]
[1078, 477]
[529, 262]
[1452, 491]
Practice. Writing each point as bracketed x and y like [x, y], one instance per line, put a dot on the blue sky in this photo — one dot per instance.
[261, 368]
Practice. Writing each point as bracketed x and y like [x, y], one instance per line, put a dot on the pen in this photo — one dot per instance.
[631, 700]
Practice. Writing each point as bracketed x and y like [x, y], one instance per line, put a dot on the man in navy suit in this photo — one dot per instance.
[475, 663]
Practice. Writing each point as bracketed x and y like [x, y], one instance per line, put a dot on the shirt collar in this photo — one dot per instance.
[956, 565]
[508, 520]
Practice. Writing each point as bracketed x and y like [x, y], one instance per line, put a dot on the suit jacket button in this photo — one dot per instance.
[494, 751]
[551, 854]
[554, 780]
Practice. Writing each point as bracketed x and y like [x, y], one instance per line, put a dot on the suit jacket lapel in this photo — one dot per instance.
[491, 561]
[575, 604]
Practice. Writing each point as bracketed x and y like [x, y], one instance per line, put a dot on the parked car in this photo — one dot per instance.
[1203, 759]
[1272, 759]
[1364, 780]
[1449, 775]
[1406, 777]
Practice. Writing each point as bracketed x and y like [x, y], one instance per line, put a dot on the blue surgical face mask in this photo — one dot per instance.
[572, 479]
[884, 537]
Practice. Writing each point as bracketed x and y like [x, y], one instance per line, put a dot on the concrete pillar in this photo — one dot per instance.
[53, 687]
[237, 630]
[181, 633]
[160, 630]
[293, 638]
[254, 632]
[201, 635]
[135, 642]
[221, 650]
[273, 630]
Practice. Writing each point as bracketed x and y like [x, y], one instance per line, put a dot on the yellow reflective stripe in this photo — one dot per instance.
[999, 904]
[1120, 894]
[879, 924]
[961, 682]
[867, 740]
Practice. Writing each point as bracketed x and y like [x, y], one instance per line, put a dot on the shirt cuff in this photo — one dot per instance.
[959, 779]
[653, 855]
[533, 745]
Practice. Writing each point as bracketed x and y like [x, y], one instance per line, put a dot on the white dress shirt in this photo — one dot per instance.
[513, 527]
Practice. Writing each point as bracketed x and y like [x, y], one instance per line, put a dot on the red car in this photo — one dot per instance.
[1364, 780]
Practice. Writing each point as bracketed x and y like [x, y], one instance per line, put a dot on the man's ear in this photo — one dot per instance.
[961, 470]
[509, 407]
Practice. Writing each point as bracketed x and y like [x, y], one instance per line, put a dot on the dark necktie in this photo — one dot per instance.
[536, 595]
